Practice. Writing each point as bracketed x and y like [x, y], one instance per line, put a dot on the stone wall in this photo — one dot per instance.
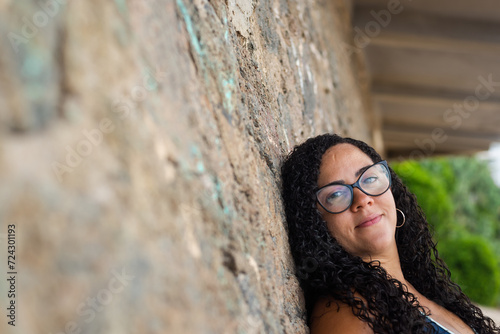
[140, 149]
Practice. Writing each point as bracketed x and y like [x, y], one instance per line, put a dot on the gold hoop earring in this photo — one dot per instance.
[404, 218]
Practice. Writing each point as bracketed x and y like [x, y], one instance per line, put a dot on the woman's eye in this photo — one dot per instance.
[370, 179]
[334, 196]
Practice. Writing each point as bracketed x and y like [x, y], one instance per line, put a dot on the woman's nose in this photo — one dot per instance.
[360, 200]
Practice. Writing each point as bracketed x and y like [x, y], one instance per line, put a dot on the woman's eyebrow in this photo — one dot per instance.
[361, 170]
[357, 174]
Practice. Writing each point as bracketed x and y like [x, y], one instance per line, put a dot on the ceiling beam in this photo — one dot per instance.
[419, 107]
[394, 93]
[420, 141]
[414, 30]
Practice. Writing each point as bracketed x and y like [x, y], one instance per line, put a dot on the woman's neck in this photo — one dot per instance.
[390, 262]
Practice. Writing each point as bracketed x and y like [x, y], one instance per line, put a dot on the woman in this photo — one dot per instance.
[363, 249]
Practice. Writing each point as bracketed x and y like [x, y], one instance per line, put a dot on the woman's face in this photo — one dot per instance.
[367, 228]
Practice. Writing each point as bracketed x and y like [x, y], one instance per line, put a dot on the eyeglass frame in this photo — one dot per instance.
[356, 185]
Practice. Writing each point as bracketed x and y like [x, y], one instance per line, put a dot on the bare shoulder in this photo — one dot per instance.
[330, 317]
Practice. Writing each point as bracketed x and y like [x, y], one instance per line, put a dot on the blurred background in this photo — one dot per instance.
[435, 82]
[141, 144]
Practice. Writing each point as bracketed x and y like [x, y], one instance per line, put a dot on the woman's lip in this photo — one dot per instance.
[370, 221]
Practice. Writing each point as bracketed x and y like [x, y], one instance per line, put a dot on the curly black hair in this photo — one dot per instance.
[325, 269]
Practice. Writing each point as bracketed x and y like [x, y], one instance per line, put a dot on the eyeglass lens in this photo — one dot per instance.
[337, 197]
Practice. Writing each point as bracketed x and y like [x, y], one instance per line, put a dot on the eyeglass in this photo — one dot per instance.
[336, 197]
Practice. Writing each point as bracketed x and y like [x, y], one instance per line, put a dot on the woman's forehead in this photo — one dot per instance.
[341, 162]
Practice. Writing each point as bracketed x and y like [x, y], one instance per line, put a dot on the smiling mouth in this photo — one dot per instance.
[370, 221]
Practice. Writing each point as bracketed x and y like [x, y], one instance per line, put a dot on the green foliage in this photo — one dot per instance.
[430, 192]
[475, 196]
[462, 203]
[473, 266]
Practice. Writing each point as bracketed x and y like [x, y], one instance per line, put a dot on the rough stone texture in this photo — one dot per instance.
[140, 144]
